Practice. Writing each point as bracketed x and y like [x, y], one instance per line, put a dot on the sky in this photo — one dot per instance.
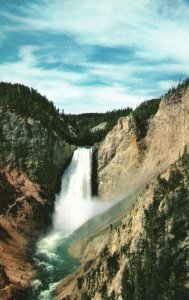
[95, 55]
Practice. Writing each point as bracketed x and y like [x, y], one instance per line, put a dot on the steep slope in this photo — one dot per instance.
[146, 256]
[21, 217]
[85, 123]
[30, 147]
[145, 253]
[33, 156]
[127, 161]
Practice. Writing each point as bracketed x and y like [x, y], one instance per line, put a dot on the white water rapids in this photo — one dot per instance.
[74, 206]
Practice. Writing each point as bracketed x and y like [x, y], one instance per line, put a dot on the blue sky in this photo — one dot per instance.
[88, 55]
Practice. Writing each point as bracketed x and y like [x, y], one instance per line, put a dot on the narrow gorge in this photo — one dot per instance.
[116, 225]
[75, 198]
[33, 158]
[143, 253]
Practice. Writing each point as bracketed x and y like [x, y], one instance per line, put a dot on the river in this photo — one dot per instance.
[74, 206]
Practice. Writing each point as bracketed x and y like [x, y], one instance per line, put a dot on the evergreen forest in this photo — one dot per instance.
[74, 128]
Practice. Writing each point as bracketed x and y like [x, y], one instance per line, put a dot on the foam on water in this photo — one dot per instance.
[73, 207]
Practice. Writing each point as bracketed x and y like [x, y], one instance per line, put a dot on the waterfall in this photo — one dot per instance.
[73, 204]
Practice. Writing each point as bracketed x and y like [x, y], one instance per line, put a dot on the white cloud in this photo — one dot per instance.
[157, 31]
[167, 84]
[65, 88]
[69, 90]
[156, 28]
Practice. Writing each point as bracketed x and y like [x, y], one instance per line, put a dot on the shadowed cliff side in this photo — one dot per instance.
[33, 156]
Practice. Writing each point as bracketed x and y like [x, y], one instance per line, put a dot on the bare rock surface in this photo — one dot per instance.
[145, 255]
[32, 160]
[125, 162]
[134, 259]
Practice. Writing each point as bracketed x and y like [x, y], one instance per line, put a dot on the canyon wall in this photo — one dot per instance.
[127, 162]
[31, 148]
[146, 254]
[32, 159]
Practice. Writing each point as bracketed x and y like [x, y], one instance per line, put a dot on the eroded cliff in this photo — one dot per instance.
[32, 159]
[127, 162]
[146, 256]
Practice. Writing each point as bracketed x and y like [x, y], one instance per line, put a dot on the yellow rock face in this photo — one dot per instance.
[127, 163]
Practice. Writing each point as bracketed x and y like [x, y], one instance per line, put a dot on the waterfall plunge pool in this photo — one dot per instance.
[74, 206]
[54, 263]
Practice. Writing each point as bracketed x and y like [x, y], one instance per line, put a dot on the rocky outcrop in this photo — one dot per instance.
[126, 162]
[32, 159]
[118, 154]
[100, 126]
[22, 216]
[33, 149]
[146, 255]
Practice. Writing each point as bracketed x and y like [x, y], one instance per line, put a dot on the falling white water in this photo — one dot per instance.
[75, 204]
[73, 207]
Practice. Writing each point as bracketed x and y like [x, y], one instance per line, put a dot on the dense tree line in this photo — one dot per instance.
[29, 103]
[76, 129]
[83, 123]
[179, 89]
[142, 115]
